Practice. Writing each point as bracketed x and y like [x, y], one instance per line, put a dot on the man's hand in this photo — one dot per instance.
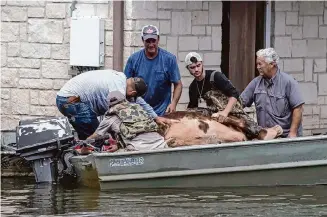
[222, 113]
[93, 136]
[292, 135]
[164, 121]
[112, 148]
[221, 116]
[171, 108]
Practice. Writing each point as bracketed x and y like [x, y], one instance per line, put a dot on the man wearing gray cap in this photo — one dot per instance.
[132, 127]
[159, 70]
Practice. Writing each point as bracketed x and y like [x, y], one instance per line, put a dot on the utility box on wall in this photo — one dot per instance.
[87, 41]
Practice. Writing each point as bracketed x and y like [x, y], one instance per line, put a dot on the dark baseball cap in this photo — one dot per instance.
[140, 86]
[150, 31]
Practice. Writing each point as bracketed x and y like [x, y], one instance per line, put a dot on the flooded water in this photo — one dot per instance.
[21, 197]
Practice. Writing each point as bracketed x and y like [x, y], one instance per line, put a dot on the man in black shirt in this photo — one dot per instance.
[213, 90]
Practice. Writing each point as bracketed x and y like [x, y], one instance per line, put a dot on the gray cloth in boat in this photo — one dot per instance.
[144, 141]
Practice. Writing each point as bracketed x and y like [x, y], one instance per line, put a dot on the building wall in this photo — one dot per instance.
[300, 34]
[35, 45]
[35, 54]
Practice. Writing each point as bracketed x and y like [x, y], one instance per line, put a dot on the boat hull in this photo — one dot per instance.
[271, 177]
[300, 161]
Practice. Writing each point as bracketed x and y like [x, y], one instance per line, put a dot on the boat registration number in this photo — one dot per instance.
[126, 162]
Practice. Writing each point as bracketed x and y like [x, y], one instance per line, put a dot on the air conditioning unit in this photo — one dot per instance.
[87, 41]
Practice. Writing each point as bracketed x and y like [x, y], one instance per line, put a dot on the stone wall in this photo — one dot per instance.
[300, 34]
[184, 26]
[35, 45]
[35, 54]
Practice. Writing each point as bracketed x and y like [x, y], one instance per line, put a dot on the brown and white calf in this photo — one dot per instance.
[194, 128]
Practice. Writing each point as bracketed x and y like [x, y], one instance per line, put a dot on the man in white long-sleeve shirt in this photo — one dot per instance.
[84, 97]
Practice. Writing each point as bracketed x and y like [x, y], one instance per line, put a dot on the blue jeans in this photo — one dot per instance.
[80, 115]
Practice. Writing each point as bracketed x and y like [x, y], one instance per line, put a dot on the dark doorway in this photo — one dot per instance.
[225, 39]
[260, 30]
[243, 25]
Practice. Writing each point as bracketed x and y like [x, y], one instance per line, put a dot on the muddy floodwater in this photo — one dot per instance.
[22, 197]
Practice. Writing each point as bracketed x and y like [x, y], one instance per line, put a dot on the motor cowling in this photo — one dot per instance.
[42, 142]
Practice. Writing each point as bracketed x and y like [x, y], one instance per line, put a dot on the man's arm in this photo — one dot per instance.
[296, 103]
[128, 71]
[110, 123]
[176, 96]
[177, 92]
[296, 121]
[248, 93]
[222, 83]
[149, 110]
[93, 136]
[104, 127]
[193, 103]
[231, 102]
[175, 78]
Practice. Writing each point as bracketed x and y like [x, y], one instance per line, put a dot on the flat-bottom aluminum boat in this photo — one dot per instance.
[278, 162]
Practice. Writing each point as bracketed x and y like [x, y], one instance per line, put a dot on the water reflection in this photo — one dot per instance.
[22, 197]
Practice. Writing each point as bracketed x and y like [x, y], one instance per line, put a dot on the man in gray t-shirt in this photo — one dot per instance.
[83, 98]
[276, 95]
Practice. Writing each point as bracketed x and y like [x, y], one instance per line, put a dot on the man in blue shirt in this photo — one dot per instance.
[159, 70]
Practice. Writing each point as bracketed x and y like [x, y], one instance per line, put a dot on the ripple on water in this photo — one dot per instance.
[132, 200]
[183, 195]
[8, 209]
[260, 195]
[231, 195]
[17, 191]
[162, 196]
[286, 195]
[18, 197]
[208, 197]
[306, 198]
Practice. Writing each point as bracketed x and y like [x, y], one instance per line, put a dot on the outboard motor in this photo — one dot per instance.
[42, 142]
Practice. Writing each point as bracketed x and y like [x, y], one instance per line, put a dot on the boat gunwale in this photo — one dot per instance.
[215, 146]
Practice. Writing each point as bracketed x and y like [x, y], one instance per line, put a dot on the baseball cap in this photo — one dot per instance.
[190, 55]
[140, 86]
[115, 97]
[149, 31]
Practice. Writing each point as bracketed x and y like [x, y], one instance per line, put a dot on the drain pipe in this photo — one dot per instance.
[118, 35]
[268, 25]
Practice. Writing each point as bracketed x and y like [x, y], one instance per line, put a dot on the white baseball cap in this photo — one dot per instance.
[190, 55]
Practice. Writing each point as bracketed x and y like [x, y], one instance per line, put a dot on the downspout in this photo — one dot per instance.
[118, 35]
[268, 25]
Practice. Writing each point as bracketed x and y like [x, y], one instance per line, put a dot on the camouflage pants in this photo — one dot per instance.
[216, 101]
